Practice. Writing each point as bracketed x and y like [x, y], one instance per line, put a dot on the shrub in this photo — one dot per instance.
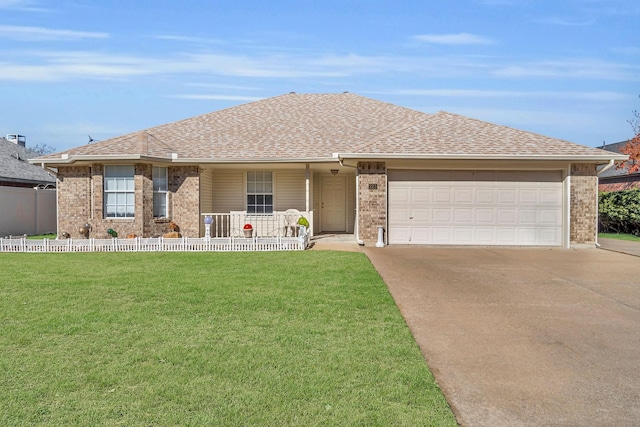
[620, 212]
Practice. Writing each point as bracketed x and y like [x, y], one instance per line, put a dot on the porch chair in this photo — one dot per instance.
[291, 227]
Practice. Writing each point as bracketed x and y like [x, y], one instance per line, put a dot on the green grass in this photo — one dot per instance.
[628, 237]
[43, 236]
[225, 339]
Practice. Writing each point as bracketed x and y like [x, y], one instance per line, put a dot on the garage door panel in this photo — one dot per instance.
[442, 195]
[442, 235]
[442, 215]
[421, 235]
[548, 236]
[507, 196]
[527, 216]
[486, 215]
[486, 195]
[399, 195]
[550, 217]
[476, 207]
[550, 197]
[485, 236]
[463, 235]
[401, 235]
[421, 195]
[506, 236]
[399, 214]
[421, 215]
[463, 195]
[527, 236]
[507, 216]
[463, 216]
[528, 196]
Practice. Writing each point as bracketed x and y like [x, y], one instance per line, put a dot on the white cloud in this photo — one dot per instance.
[217, 97]
[188, 39]
[556, 20]
[573, 68]
[453, 39]
[20, 33]
[23, 5]
[605, 96]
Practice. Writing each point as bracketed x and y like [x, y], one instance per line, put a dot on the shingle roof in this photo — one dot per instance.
[315, 126]
[615, 172]
[15, 168]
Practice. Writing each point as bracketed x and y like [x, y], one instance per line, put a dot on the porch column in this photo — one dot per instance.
[307, 199]
[372, 200]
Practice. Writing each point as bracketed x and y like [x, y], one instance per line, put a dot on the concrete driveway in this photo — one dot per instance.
[530, 337]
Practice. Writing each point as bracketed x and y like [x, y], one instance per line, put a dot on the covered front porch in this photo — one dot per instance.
[277, 200]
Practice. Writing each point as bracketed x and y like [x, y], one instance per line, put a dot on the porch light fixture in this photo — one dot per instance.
[334, 171]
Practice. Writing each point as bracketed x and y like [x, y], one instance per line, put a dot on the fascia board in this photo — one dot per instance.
[571, 158]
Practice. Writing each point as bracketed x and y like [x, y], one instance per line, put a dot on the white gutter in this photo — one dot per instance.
[69, 159]
[387, 156]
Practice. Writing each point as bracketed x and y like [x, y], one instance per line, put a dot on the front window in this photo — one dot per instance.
[119, 196]
[259, 192]
[160, 192]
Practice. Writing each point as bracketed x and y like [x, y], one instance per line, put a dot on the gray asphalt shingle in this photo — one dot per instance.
[15, 168]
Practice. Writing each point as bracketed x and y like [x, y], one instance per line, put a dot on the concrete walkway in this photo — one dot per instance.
[335, 242]
[622, 246]
[524, 337]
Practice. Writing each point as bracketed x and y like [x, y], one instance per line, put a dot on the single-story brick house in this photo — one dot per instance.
[614, 179]
[349, 163]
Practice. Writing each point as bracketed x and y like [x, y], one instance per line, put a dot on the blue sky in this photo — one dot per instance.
[71, 68]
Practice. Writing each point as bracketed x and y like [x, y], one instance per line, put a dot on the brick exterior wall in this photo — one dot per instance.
[372, 200]
[619, 183]
[584, 204]
[80, 201]
[74, 203]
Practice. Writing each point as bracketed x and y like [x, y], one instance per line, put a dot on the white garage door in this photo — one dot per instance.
[475, 207]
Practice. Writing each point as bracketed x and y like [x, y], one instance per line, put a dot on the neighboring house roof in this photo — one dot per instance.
[14, 167]
[615, 172]
[321, 127]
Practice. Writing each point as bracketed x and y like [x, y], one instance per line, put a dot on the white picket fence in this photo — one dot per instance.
[159, 244]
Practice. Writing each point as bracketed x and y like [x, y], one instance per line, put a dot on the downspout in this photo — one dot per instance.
[609, 166]
[357, 226]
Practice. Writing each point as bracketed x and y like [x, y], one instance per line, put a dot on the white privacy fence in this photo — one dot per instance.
[159, 244]
[27, 211]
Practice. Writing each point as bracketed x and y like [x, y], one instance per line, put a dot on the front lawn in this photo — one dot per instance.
[628, 237]
[302, 338]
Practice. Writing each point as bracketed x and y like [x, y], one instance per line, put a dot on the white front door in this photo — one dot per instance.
[333, 213]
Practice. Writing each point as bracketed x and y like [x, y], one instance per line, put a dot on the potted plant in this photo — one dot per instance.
[248, 230]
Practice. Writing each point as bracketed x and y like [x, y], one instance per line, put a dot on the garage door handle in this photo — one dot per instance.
[410, 217]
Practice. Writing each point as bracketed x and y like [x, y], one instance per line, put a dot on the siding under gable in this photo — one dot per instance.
[290, 190]
[228, 191]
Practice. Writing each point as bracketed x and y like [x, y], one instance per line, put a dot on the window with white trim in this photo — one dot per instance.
[119, 194]
[160, 192]
[259, 192]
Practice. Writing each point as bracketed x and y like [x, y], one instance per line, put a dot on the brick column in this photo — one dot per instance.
[584, 204]
[184, 184]
[372, 200]
[74, 203]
